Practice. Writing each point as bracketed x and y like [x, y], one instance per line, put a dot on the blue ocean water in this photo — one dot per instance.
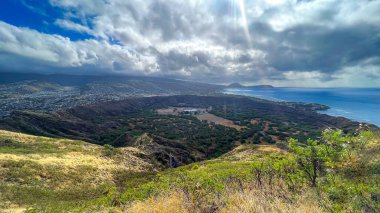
[359, 104]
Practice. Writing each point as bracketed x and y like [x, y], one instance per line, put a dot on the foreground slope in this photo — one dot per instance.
[264, 178]
[58, 175]
[61, 173]
[235, 182]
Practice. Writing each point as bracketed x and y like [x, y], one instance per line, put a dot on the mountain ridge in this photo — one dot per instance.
[238, 85]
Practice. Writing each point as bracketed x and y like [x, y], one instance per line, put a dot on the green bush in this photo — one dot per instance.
[109, 150]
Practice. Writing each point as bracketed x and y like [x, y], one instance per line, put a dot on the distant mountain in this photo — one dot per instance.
[235, 85]
[238, 85]
[262, 86]
[38, 92]
[110, 80]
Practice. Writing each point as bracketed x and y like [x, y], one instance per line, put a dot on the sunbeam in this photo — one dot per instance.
[243, 20]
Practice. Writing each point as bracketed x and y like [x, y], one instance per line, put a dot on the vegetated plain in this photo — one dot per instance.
[136, 122]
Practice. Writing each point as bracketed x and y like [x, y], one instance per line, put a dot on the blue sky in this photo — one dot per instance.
[37, 14]
[319, 43]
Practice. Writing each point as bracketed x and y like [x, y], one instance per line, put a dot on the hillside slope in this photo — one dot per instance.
[264, 178]
[61, 173]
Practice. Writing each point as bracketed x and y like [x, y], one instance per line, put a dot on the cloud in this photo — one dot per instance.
[25, 48]
[265, 41]
[69, 25]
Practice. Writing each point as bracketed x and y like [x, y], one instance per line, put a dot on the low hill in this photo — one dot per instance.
[235, 85]
[238, 85]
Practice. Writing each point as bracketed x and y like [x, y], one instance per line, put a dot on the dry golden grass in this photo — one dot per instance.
[13, 210]
[169, 203]
[76, 153]
[14, 135]
[247, 151]
[246, 200]
[267, 149]
[258, 201]
[69, 160]
[61, 164]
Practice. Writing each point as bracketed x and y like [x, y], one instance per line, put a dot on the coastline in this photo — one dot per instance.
[272, 94]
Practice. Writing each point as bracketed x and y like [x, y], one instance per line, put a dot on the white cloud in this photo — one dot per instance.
[52, 49]
[281, 41]
[69, 25]
[355, 75]
[298, 75]
[57, 51]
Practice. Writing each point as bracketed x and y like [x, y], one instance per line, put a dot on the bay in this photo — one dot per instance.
[359, 104]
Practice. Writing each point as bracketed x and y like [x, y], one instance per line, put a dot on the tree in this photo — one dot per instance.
[314, 156]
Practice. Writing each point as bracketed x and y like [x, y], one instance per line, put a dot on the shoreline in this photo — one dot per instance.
[323, 108]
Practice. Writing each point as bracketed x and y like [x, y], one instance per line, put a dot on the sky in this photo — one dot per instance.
[306, 43]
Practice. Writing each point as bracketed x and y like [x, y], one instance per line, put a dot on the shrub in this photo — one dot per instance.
[315, 155]
[109, 150]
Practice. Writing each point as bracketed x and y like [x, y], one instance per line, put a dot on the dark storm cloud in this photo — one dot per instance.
[317, 48]
[284, 42]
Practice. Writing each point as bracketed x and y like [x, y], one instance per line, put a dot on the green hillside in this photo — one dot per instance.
[39, 174]
[265, 178]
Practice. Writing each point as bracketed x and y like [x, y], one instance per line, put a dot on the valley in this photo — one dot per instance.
[187, 137]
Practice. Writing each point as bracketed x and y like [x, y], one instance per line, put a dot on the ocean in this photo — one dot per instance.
[359, 104]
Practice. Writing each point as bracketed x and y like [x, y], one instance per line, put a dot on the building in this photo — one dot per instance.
[191, 111]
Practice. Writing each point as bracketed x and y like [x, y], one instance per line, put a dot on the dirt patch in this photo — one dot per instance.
[276, 138]
[255, 121]
[266, 127]
[202, 114]
[179, 110]
[218, 120]
[168, 111]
